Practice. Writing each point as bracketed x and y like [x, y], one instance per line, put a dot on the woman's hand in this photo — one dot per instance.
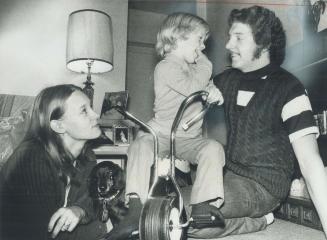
[65, 219]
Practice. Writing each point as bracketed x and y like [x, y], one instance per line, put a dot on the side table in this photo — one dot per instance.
[115, 153]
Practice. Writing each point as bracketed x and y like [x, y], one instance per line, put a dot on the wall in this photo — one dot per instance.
[33, 45]
[164, 6]
[141, 60]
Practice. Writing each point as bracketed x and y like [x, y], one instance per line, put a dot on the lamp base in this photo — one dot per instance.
[89, 90]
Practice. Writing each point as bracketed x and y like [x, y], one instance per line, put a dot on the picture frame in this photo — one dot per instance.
[121, 135]
[106, 138]
[108, 132]
[112, 99]
[317, 8]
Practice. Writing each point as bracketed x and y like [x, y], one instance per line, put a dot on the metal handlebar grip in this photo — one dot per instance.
[195, 119]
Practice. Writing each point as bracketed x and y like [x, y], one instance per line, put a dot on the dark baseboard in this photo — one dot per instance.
[299, 210]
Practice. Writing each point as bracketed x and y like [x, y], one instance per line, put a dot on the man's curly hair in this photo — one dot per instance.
[267, 29]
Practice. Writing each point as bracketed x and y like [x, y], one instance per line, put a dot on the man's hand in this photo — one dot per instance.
[65, 219]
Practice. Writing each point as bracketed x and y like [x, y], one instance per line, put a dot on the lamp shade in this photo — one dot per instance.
[89, 40]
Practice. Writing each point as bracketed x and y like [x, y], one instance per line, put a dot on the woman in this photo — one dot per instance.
[44, 183]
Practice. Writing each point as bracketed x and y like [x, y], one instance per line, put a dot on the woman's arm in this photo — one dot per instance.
[81, 196]
[80, 206]
[33, 189]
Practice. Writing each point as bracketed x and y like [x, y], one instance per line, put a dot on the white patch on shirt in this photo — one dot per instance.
[244, 97]
[296, 106]
[304, 132]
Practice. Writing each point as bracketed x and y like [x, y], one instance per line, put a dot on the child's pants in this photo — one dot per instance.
[207, 154]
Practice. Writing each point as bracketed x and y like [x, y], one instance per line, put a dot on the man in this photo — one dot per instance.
[270, 126]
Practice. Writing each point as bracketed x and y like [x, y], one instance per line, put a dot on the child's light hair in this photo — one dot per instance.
[178, 26]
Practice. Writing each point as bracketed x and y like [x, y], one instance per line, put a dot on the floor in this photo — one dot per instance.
[280, 230]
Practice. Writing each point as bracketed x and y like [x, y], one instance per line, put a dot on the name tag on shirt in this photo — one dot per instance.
[244, 97]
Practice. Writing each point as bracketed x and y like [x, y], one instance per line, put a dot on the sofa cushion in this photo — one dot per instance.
[15, 113]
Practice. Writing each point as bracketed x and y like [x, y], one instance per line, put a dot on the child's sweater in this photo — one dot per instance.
[174, 80]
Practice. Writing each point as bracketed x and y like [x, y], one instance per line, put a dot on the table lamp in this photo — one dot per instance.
[89, 45]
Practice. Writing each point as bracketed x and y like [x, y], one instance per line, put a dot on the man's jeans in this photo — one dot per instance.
[246, 203]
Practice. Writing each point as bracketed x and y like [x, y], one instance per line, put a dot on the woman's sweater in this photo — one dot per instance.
[32, 191]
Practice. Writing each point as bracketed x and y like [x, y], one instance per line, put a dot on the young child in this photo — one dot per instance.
[183, 70]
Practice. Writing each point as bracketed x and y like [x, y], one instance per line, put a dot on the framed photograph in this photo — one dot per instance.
[108, 133]
[106, 138]
[319, 14]
[112, 99]
[121, 135]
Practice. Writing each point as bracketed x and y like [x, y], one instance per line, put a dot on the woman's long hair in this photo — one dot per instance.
[50, 105]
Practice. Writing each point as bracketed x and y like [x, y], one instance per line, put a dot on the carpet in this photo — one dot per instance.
[279, 230]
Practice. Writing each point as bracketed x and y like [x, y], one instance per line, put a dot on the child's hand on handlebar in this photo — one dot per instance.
[215, 95]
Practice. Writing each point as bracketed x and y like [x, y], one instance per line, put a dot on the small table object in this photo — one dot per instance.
[112, 153]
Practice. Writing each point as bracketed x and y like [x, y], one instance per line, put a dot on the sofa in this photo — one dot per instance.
[15, 112]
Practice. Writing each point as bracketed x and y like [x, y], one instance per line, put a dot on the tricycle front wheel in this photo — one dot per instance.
[160, 220]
